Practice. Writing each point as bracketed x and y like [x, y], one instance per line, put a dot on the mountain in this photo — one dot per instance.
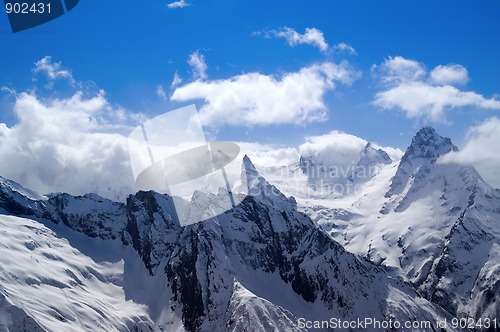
[437, 223]
[369, 159]
[459, 269]
[425, 148]
[329, 170]
[336, 173]
[87, 263]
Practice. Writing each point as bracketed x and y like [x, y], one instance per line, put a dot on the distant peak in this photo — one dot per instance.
[248, 172]
[248, 166]
[373, 156]
[10, 186]
[246, 159]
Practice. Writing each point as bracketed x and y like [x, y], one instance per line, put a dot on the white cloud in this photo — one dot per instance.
[8, 90]
[449, 74]
[334, 148]
[258, 99]
[197, 62]
[481, 151]
[178, 4]
[176, 80]
[410, 89]
[65, 145]
[421, 100]
[269, 155]
[53, 70]
[400, 70]
[160, 92]
[311, 36]
[346, 48]
[331, 145]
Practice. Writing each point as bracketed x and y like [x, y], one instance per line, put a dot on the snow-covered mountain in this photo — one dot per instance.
[338, 172]
[438, 223]
[87, 263]
[333, 167]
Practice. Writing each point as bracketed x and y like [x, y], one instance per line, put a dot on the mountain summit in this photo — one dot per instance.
[425, 148]
[428, 144]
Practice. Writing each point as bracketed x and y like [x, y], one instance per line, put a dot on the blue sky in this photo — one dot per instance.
[387, 49]
[129, 49]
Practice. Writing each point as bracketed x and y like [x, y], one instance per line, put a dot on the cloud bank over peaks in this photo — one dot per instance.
[408, 87]
[269, 155]
[334, 148]
[75, 143]
[481, 151]
[260, 99]
[63, 145]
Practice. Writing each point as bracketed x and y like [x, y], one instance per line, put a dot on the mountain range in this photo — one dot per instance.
[330, 238]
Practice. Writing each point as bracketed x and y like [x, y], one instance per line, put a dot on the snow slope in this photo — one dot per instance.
[47, 284]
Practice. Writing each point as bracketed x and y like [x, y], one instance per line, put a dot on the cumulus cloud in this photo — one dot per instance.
[53, 70]
[399, 70]
[198, 65]
[311, 36]
[258, 99]
[418, 99]
[481, 151]
[178, 4]
[409, 88]
[450, 74]
[65, 145]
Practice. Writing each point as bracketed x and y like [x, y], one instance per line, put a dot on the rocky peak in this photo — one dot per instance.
[428, 144]
[425, 148]
[255, 185]
[370, 155]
